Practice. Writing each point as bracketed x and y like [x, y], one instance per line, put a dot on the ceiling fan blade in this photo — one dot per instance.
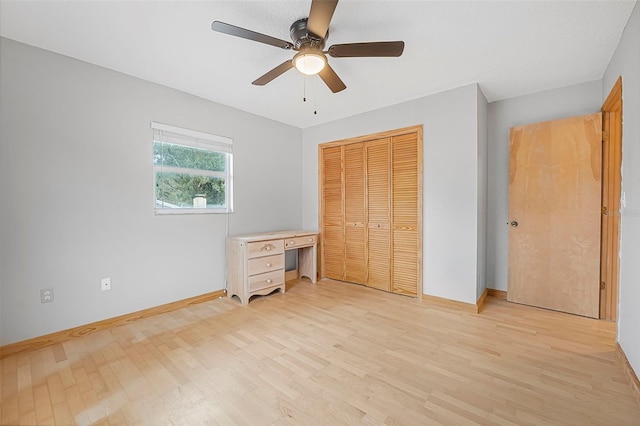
[222, 27]
[373, 49]
[331, 79]
[320, 16]
[277, 71]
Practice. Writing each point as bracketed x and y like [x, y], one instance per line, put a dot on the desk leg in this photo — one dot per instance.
[307, 263]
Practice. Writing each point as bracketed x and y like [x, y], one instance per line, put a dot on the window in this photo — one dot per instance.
[192, 171]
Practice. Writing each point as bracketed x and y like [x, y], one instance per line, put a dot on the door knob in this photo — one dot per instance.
[514, 223]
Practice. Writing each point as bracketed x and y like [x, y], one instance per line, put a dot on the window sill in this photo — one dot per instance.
[169, 212]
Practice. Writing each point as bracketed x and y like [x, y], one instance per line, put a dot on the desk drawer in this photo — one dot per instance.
[270, 279]
[264, 264]
[305, 241]
[265, 248]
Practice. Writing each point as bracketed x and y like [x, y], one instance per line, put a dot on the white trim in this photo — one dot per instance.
[191, 133]
[185, 171]
[187, 210]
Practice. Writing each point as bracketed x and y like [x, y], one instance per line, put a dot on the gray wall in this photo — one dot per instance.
[549, 105]
[77, 192]
[626, 63]
[450, 204]
[483, 148]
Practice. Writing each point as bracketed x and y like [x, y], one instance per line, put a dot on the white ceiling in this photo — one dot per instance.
[510, 48]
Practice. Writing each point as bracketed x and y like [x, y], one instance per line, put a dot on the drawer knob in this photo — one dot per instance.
[310, 239]
[267, 247]
[269, 281]
[268, 264]
[291, 242]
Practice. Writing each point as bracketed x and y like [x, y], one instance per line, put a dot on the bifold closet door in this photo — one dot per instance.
[333, 214]
[406, 181]
[355, 213]
[379, 213]
[371, 210]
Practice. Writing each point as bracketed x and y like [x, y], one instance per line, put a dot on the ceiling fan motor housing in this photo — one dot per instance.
[302, 39]
[309, 36]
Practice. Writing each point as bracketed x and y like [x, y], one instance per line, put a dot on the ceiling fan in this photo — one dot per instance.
[309, 36]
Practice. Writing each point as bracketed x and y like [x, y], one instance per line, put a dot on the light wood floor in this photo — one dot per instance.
[328, 354]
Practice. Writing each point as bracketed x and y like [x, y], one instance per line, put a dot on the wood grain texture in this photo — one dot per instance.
[260, 265]
[333, 250]
[554, 195]
[611, 193]
[387, 182]
[374, 136]
[379, 213]
[355, 254]
[331, 182]
[499, 294]
[481, 300]
[405, 214]
[634, 382]
[379, 182]
[307, 264]
[355, 213]
[255, 262]
[85, 330]
[449, 303]
[331, 353]
[379, 252]
[291, 275]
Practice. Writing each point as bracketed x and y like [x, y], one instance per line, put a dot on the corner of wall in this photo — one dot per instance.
[482, 190]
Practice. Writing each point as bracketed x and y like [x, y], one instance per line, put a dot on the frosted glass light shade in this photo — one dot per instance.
[309, 63]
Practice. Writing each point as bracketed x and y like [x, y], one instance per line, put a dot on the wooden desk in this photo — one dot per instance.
[255, 263]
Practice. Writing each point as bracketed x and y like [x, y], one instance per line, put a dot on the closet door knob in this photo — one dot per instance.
[514, 224]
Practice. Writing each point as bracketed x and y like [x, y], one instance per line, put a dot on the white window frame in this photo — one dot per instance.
[194, 139]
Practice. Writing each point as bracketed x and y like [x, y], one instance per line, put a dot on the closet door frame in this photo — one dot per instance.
[365, 138]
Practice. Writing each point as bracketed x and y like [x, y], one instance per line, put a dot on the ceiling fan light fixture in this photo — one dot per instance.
[310, 62]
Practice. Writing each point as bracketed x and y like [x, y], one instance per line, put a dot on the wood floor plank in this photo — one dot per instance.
[326, 354]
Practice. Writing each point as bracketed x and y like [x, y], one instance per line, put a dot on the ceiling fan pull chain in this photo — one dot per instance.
[304, 88]
[315, 98]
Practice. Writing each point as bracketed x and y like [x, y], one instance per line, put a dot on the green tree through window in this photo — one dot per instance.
[189, 177]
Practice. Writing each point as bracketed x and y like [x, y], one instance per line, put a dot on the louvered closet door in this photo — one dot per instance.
[406, 267]
[371, 210]
[333, 214]
[379, 212]
[355, 213]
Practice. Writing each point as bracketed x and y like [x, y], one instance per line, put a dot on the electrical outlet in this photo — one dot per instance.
[106, 284]
[46, 295]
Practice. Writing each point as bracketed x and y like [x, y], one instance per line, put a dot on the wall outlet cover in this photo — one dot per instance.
[105, 284]
[46, 295]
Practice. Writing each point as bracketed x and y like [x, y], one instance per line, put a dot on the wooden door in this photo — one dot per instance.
[355, 213]
[379, 213]
[611, 192]
[407, 262]
[554, 214]
[332, 213]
